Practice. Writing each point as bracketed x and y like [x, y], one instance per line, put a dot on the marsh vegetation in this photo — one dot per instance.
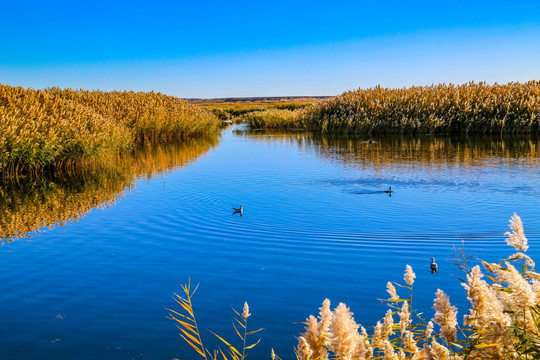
[473, 108]
[63, 129]
[242, 111]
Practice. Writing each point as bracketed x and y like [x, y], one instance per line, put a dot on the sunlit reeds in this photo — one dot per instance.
[240, 111]
[503, 321]
[55, 129]
[150, 116]
[473, 108]
[273, 118]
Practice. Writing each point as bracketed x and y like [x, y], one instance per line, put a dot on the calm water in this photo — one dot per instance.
[316, 224]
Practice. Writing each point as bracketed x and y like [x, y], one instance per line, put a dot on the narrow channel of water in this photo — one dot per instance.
[316, 224]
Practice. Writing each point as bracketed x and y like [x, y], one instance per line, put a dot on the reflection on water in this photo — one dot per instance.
[428, 150]
[316, 224]
[28, 205]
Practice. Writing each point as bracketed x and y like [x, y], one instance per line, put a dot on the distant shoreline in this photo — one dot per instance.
[257, 99]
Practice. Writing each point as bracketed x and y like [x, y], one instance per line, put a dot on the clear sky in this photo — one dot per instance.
[265, 48]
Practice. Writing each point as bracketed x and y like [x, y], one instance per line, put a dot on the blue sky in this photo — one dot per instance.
[239, 48]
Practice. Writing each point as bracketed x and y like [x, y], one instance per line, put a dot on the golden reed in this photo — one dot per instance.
[55, 129]
[472, 108]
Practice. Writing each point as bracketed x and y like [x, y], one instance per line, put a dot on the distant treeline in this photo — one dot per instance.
[473, 108]
[55, 128]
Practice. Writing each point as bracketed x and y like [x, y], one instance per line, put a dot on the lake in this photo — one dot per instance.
[114, 245]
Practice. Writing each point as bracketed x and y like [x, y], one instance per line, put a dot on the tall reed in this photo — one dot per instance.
[189, 329]
[503, 321]
[150, 116]
[55, 129]
[472, 108]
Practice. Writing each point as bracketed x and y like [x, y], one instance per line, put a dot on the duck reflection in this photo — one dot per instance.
[239, 210]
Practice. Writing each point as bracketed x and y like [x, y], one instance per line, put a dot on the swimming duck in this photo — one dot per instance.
[239, 210]
[389, 191]
[434, 267]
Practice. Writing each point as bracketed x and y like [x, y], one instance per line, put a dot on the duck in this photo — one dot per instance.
[239, 210]
[389, 191]
[434, 267]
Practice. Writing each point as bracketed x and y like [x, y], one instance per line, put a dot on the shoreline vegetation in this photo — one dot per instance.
[472, 108]
[502, 320]
[56, 130]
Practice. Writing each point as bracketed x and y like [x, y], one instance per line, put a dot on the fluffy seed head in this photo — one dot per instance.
[245, 313]
[404, 317]
[391, 290]
[303, 351]
[516, 237]
[445, 316]
[409, 275]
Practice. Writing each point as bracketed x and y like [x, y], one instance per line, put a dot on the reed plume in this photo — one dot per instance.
[516, 237]
[409, 275]
[445, 316]
[391, 290]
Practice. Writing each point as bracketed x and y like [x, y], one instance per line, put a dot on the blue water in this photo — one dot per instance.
[316, 225]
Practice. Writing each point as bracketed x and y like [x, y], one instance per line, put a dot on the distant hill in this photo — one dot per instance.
[257, 99]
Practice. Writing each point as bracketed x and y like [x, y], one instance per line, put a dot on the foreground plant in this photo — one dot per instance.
[503, 320]
[187, 324]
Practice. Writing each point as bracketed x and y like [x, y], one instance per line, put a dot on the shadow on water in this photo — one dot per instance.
[30, 204]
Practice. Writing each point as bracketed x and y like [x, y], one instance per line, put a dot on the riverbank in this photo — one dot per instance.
[42, 130]
[472, 108]
[62, 129]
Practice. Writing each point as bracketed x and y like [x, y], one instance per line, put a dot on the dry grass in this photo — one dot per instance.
[273, 119]
[238, 111]
[53, 128]
[150, 116]
[473, 108]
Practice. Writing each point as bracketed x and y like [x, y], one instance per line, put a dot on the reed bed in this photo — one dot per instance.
[502, 321]
[237, 111]
[473, 108]
[273, 119]
[150, 116]
[58, 129]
